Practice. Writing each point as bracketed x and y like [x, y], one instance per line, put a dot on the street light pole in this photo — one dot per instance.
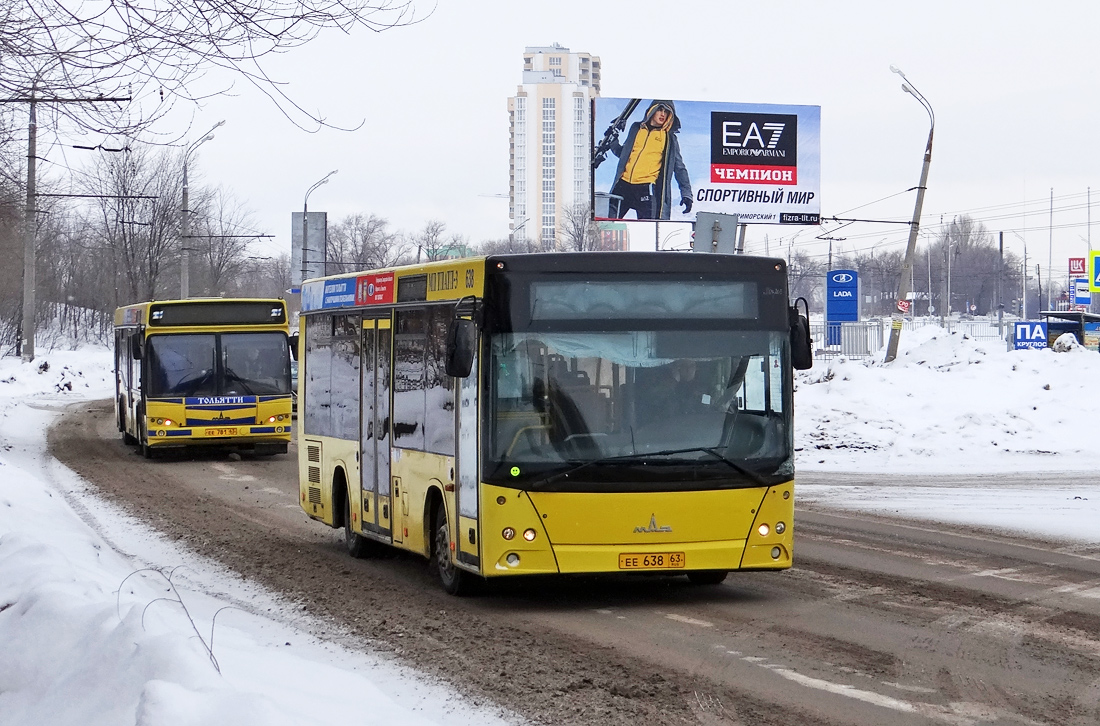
[185, 218]
[305, 216]
[26, 349]
[905, 283]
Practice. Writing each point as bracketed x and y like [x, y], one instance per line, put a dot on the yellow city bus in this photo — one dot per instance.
[555, 413]
[204, 372]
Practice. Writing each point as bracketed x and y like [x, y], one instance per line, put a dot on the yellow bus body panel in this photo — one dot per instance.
[319, 458]
[197, 426]
[419, 472]
[586, 532]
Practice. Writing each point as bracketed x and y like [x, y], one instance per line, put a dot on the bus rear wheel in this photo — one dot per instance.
[707, 577]
[454, 580]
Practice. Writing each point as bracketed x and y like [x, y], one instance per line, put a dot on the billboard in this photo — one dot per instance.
[308, 260]
[654, 159]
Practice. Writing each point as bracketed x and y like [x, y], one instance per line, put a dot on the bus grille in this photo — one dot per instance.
[313, 453]
[313, 474]
[315, 495]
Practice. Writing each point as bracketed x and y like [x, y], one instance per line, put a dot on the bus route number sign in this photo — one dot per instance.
[651, 561]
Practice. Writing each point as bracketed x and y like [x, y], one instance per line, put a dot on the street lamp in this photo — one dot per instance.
[305, 216]
[905, 283]
[185, 217]
[517, 228]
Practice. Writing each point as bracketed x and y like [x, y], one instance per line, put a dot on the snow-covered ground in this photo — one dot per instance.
[987, 430]
[98, 628]
[101, 623]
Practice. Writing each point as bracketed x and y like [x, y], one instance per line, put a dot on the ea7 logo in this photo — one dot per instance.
[769, 139]
[735, 133]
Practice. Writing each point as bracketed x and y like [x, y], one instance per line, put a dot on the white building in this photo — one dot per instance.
[551, 147]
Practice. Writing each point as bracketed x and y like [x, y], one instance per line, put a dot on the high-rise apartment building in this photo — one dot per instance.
[551, 146]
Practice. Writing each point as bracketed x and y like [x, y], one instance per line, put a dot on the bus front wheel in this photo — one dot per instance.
[454, 580]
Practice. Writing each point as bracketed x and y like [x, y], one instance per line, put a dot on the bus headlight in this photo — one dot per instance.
[512, 559]
[776, 552]
[780, 528]
[508, 533]
[271, 419]
[763, 530]
[529, 535]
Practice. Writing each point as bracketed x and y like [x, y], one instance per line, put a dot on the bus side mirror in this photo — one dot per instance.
[135, 346]
[461, 346]
[293, 341]
[802, 349]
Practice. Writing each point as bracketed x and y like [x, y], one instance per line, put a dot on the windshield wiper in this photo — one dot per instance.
[231, 374]
[747, 473]
[744, 471]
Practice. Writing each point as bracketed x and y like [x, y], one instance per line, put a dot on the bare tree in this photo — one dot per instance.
[156, 52]
[138, 219]
[878, 274]
[364, 242]
[507, 246]
[265, 276]
[966, 261]
[430, 241]
[578, 231]
[223, 238]
[805, 278]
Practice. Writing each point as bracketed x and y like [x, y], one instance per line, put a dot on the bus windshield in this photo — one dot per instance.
[640, 402]
[218, 364]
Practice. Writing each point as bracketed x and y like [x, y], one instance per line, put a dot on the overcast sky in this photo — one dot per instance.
[1013, 85]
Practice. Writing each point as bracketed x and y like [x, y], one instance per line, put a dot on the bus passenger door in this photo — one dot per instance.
[467, 476]
[374, 440]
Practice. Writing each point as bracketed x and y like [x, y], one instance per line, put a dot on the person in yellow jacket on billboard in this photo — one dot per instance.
[642, 179]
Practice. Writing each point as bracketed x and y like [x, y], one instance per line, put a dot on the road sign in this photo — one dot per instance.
[1094, 271]
[1030, 334]
[903, 306]
[1081, 294]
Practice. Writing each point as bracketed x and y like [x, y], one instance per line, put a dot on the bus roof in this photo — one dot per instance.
[203, 311]
[454, 279]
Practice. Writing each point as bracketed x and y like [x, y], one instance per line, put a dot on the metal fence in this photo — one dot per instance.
[865, 338]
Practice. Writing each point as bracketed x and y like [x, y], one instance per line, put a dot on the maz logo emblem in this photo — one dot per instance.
[652, 526]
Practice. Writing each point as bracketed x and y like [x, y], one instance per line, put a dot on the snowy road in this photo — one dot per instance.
[879, 622]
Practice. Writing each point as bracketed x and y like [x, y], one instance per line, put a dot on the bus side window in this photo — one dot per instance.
[409, 368]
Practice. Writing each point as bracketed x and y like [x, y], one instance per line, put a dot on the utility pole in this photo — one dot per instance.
[914, 227]
[944, 289]
[26, 336]
[1023, 309]
[1050, 253]
[185, 218]
[1000, 279]
[29, 224]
